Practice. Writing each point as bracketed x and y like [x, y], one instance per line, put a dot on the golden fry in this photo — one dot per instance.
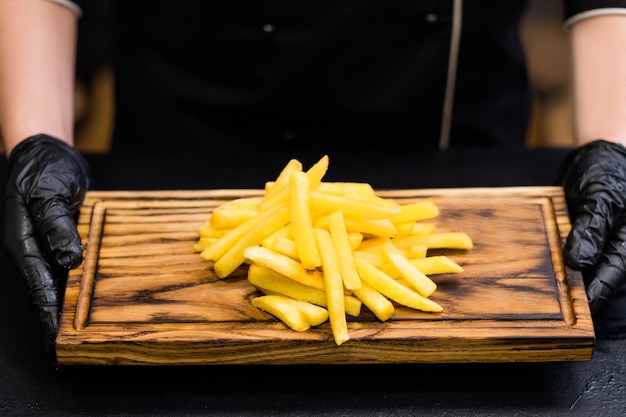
[235, 212]
[301, 221]
[317, 172]
[430, 265]
[443, 240]
[351, 207]
[334, 286]
[421, 282]
[416, 211]
[346, 188]
[313, 313]
[439, 264]
[355, 239]
[375, 301]
[279, 306]
[393, 290]
[341, 244]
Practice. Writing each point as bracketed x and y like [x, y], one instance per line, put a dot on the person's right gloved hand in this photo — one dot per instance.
[46, 184]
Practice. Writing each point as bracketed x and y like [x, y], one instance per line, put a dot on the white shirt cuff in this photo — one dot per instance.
[70, 5]
[592, 13]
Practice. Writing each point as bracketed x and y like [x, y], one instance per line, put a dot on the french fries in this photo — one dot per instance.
[318, 251]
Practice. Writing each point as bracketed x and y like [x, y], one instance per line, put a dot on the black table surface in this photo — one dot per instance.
[30, 386]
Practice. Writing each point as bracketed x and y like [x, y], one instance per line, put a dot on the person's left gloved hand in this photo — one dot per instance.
[594, 181]
[46, 184]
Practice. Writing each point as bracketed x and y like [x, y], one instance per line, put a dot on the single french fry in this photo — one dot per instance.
[272, 282]
[375, 301]
[443, 240]
[334, 286]
[420, 210]
[284, 265]
[361, 209]
[313, 313]
[301, 220]
[317, 171]
[423, 284]
[431, 265]
[279, 306]
[235, 256]
[438, 264]
[393, 290]
[235, 212]
[341, 244]
[378, 227]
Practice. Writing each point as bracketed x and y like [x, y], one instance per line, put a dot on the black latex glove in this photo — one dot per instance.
[594, 180]
[46, 184]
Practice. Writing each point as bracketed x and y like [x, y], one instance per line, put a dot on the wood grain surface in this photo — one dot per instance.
[144, 297]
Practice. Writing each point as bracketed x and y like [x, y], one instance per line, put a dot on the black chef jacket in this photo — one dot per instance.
[242, 75]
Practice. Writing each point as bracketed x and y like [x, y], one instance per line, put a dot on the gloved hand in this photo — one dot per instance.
[594, 181]
[46, 184]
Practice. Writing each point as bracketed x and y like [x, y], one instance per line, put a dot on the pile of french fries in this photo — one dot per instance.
[317, 251]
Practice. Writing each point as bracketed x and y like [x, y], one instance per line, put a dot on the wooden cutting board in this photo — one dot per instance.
[144, 297]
